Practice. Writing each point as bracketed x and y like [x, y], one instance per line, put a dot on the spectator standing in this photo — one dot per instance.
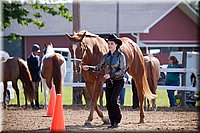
[33, 62]
[172, 79]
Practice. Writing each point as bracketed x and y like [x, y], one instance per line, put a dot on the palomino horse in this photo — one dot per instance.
[14, 69]
[89, 50]
[53, 70]
[152, 65]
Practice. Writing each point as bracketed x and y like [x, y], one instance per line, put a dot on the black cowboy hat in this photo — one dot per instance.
[113, 37]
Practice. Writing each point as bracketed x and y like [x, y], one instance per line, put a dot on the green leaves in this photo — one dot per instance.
[37, 15]
[21, 13]
[13, 36]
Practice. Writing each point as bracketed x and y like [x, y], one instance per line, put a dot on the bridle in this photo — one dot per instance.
[83, 51]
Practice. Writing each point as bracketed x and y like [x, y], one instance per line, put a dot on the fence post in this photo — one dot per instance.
[183, 94]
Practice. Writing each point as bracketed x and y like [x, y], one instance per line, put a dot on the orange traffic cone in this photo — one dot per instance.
[58, 124]
[52, 102]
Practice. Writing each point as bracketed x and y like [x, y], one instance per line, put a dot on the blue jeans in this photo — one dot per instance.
[121, 96]
[171, 93]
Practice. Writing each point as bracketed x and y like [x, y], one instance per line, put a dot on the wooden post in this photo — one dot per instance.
[76, 15]
[77, 77]
[183, 93]
[77, 91]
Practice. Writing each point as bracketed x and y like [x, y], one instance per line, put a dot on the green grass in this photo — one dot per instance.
[67, 97]
[162, 99]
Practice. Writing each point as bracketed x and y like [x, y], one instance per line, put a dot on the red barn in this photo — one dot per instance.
[156, 26]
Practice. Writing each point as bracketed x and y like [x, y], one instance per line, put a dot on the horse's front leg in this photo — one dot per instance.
[98, 91]
[90, 88]
[4, 94]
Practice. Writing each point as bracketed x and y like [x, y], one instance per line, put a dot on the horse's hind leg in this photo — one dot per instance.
[141, 101]
[14, 85]
[4, 94]
[26, 104]
[148, 104]
[154, 104]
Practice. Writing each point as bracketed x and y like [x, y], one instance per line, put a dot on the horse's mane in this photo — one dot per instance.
[88, 34]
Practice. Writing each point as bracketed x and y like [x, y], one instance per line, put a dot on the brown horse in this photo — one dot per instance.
[14, 69]
[152, 65]
[89, 49]
[53, 69]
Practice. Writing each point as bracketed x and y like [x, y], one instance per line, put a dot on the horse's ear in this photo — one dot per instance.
[51, 44]
[69, 36]
[82, 36]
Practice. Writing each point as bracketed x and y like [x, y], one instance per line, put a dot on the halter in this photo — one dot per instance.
[74, 49]
[74, 60]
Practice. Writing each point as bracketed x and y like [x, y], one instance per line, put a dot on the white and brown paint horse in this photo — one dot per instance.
[53, 70]
[88, 48]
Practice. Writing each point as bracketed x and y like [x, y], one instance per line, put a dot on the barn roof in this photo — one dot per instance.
[100, 17]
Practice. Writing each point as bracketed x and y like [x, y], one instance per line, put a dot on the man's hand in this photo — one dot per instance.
[106, 76]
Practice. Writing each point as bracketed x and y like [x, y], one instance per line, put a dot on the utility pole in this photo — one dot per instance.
[77, 77]
[117, 19]
[77, 94]
[76, 15]
[183, 94]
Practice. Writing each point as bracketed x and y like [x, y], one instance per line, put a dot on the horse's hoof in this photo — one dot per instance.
[141, 122]
[105, 120]
[154, 109]
[87, 124]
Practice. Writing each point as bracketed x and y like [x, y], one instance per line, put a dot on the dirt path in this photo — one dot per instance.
[165, 119]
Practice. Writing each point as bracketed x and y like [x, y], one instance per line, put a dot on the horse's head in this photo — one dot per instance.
[4, 56]
[77, 49]
[48, 48]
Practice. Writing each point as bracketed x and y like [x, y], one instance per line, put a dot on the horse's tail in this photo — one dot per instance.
[142, 72]
[155, 72]
[57, 76]
[151, 77]
[26, 79]
[147, 91]
[149, 71]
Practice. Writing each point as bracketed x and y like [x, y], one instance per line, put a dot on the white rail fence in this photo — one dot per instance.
[180, 70]
[82, 85]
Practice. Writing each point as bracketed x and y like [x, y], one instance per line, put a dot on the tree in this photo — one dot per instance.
[17, 11]
[195, 5]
